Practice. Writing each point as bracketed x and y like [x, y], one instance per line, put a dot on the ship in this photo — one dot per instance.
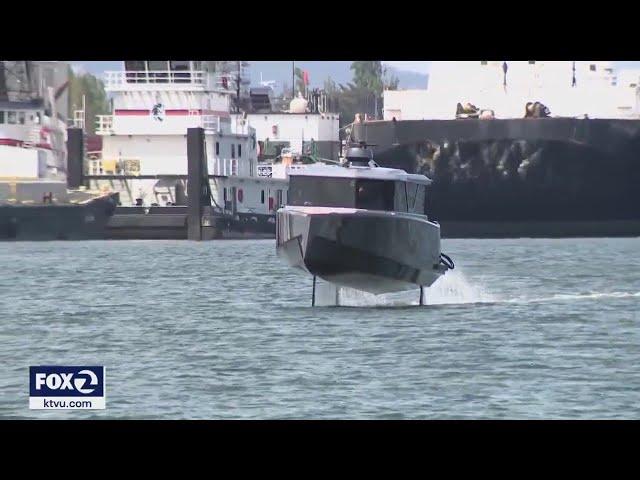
[35, 203]
[143, 152]
[519, 148]
[360, 226]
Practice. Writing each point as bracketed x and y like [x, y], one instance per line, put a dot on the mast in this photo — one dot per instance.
[238, 88]
[3, 82]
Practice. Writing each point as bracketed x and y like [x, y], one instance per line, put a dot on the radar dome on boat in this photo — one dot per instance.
[359, 156]
[298, 104]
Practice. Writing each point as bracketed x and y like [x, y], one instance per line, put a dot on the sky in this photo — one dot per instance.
[409, 66]
[423, 67]
[412, 74]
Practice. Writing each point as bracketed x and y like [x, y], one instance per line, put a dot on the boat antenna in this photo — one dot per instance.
[293, 79]
[238, 87]
[505, 67]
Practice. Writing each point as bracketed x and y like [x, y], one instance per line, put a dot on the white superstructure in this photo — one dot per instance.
[33, 121]
[296, 129]
[154, 103]
[568, 89]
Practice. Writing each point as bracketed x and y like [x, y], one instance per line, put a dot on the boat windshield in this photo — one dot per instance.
[365, 193]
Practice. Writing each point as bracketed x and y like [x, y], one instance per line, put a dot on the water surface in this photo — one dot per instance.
[527, 328]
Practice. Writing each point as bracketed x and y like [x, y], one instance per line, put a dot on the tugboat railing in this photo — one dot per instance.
[104, 124]
[121, 80]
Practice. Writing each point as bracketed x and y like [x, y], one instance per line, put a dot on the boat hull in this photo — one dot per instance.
[376, 252]
[57, 221]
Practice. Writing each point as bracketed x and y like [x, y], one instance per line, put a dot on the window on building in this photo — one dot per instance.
[239, 150]
[11, 118]
[217, 148]
[233, 150]
[1, 116]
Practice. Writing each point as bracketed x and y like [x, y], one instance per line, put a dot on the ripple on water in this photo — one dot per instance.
[521, 329]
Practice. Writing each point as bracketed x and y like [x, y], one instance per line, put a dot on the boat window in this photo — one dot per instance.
[322, 191]
[401, 197]
[262, 197]
[416, 195]
[592, 67]
[21, 118]
[179, 66]
[158, 71]
[134, 66]
[11, 118]
[375, 194]
[341, 192]
[233, 150]
[155, 65]
[181, 71]
[239, 150]
[135, 70]
[217, 148]
[1, 116]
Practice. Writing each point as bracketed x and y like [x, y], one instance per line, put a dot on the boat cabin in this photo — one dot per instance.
[368, 188]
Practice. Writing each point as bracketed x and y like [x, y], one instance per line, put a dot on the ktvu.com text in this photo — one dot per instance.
[67, 387]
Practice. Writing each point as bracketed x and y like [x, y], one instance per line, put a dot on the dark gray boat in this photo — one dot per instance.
[361, 226]
[82, 220]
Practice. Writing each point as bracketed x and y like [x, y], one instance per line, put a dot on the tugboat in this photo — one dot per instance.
[360, 226]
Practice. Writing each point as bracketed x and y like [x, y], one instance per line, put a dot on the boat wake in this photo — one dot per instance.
[576, 296]
[454, 288]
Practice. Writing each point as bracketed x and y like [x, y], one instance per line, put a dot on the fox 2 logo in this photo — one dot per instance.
[59, 381]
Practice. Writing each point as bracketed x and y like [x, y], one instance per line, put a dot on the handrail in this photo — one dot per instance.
[125, 78]
[104, 123]
[122, 77]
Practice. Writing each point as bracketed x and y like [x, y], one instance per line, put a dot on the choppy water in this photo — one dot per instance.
[521, 329]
